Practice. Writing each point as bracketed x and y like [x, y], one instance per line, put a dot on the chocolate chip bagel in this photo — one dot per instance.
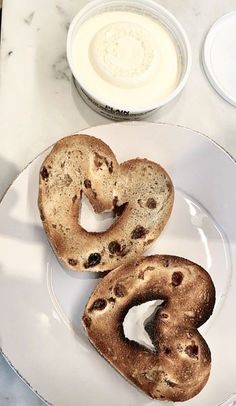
[180, 365]
[139, 191]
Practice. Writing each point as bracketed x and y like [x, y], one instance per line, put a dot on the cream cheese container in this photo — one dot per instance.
[128, 58]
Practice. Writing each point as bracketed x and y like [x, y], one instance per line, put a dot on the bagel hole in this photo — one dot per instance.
[91, 221]
[138, 323]
[98, 222]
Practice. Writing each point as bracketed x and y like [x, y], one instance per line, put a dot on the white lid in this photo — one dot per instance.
[219, 56]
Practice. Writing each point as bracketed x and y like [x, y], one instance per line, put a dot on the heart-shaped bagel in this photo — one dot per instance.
[180, 365]
[139, 190]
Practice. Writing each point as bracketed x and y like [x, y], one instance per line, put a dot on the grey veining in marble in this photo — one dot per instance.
[29, 18]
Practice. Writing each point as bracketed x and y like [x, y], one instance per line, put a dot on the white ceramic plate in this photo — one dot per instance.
[41, 303]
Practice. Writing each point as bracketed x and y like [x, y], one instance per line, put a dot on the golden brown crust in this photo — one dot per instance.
[83, 164]
[180, 366]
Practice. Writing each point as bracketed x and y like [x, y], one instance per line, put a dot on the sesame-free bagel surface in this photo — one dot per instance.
[138, 190]
[180, 365]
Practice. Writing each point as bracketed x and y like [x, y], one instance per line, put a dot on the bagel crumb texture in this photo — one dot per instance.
[179, 366]
[139, 192]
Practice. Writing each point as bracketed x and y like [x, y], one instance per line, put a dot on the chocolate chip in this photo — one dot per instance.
[72, 261]
[138, 232]
[151, 203]
[74, 198]
[93, 260]
[192, 351]
[177, 278]
[114, 247]
[87, 183]
[99, 304]
[87, 321]
[167, 350]
[44, 173]
[119, 290]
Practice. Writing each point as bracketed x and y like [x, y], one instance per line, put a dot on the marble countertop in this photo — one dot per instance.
[39, 103]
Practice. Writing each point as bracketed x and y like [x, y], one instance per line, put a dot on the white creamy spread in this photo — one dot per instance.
[126, 59]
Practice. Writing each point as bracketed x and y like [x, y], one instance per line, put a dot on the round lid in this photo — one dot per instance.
[219, 56]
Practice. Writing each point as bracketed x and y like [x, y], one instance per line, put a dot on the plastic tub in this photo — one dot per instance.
[106, 106]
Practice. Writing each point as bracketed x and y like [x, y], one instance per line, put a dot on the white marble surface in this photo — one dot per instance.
[39, 103]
